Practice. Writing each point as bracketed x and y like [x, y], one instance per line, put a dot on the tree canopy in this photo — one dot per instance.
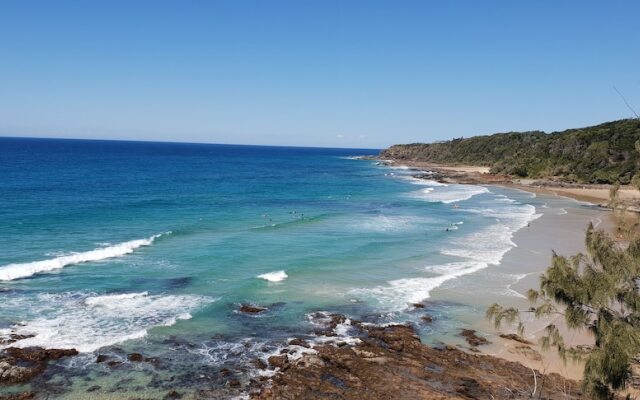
[598, 154]
[597, 292]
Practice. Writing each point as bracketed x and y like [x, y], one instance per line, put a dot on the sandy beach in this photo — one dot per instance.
[560, 228]
[596, 194]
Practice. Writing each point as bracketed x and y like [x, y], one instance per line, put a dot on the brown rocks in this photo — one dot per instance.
[13, 337]
[427, 319]
[172, 395]
[278, 361]
[258, 363]
[251, 309]
[20, 365]
[39, 354]
[418, 305]
[298, 342]
[135, 357]
[391, 363]
[473, 339]
[101, 358]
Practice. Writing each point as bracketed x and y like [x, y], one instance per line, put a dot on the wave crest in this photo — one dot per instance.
[22, 270]
[275, 276]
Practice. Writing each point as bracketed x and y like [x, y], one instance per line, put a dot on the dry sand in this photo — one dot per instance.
[594, 194]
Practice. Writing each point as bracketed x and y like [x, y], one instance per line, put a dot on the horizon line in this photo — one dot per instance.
[177, 142]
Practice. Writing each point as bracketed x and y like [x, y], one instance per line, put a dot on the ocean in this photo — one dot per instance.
[116, 247]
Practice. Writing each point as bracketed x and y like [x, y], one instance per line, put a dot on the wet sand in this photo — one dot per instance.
[561, 228]
[522, 266]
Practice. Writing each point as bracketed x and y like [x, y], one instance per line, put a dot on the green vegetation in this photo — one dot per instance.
[598, 292]
[599, 154]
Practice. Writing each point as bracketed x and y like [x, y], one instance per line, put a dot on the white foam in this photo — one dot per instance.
[16, 271]
[275, 276]
[422, 182]
[89, 322]
[472, 252]
[341, 333]
[399, 293]
[385, 223]
[450, 193]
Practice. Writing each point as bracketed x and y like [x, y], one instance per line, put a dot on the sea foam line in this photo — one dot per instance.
[22, 270]
[88, 322]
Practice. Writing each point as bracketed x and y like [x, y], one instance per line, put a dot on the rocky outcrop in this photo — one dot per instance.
[251, 309]
[472, 338]
[391, 363]
[20, 365]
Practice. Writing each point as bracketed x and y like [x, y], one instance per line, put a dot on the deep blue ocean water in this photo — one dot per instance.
[111, 247]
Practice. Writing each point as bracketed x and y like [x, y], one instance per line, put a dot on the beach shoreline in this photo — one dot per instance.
[468, 174]
[561, 233]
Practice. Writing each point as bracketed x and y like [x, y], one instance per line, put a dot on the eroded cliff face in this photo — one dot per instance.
[391, 363]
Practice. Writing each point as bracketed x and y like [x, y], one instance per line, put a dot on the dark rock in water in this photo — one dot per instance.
[418, 305]
[234, 383]
[101, 358]
[473, 339]
[427, 319]
[94, 388]
[19, 365]
[328, 322]
[298, 342]
[135, 357]
[251, 309]
[172, 395]
[278, 361]
[12, 338]
[39, 354]
[179, 283]
[258, 363]
[114, 363]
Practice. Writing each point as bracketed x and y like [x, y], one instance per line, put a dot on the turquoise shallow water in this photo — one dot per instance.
[113, 247]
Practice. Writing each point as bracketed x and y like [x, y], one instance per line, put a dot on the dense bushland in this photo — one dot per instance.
[598, 154]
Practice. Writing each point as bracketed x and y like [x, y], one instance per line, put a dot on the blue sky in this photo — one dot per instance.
[313, 73]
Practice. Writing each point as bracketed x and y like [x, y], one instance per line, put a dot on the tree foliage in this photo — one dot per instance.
[599, 154]
[598, 292]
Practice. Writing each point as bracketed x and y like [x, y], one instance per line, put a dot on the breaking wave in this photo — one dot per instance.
[16, 271]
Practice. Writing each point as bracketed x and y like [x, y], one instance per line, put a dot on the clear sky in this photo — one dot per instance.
[313, 73]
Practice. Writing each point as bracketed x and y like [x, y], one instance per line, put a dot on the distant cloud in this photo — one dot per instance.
[339, 136]
[362, 136]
